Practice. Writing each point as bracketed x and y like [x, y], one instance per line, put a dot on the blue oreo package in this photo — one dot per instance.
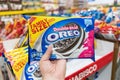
[70, 37]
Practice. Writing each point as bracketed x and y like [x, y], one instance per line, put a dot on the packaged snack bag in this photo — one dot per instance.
[31, 72]
[18, 66]
[17, 58]
[70, 37]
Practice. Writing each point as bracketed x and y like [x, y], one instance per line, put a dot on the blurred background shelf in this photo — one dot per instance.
[3, 13]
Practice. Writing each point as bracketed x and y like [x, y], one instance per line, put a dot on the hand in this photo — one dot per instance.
[52, 70]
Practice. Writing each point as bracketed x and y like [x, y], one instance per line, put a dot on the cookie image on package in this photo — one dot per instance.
[31, 72]
[37, 73]
[67, 46]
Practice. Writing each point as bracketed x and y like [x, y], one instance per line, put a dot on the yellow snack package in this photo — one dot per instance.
[18, 58]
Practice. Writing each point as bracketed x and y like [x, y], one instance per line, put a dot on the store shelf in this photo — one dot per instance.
[115, 56]
[80, 69]
[90, 69]
[48, 2]
[21, 12]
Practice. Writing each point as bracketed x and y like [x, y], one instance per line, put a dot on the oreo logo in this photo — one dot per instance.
[35, 70]
[63, 34]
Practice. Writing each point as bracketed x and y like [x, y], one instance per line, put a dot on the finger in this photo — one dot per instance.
[47, 54]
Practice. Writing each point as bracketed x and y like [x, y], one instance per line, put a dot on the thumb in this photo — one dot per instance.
[47, 54]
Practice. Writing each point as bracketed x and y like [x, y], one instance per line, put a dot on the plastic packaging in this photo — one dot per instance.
[70, 37]
[17, 59]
